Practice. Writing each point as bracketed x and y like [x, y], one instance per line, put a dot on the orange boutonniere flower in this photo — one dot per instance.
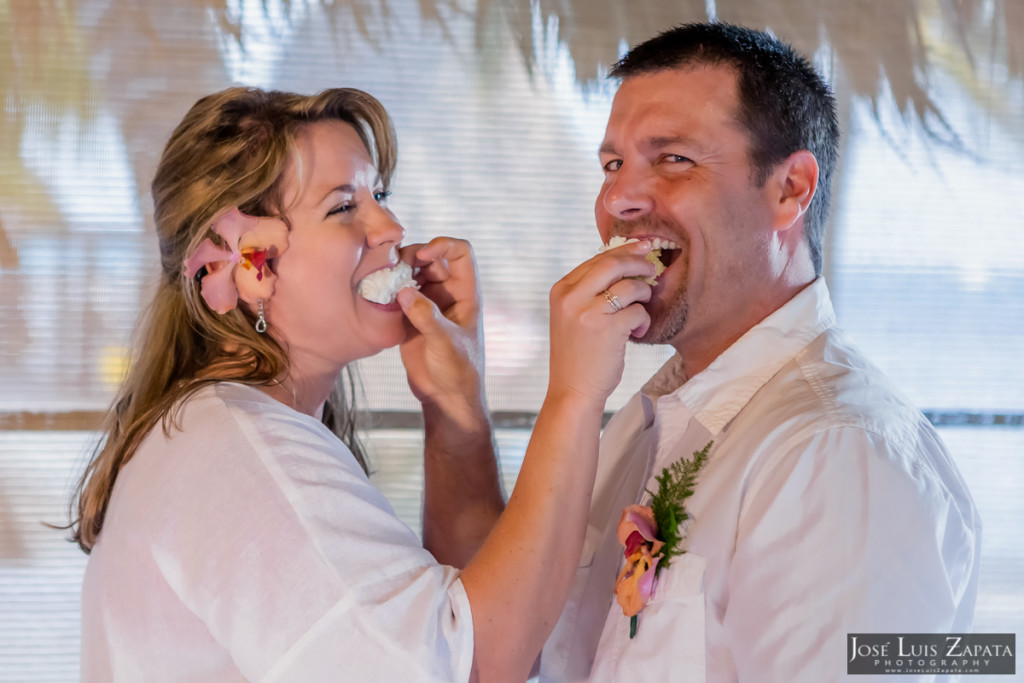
[651, 535]
[637, 532]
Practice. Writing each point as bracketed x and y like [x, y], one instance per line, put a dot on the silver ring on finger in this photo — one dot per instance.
[613, 301]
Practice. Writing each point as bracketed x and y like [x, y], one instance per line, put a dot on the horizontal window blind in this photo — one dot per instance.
[500, 108]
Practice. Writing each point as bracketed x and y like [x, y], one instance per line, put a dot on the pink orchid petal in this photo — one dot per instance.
[219, 290]
[207, 253]
[254, 285]
[637, 518]
[231, 225]
[264, 233]
[643, 517]
[648, 581]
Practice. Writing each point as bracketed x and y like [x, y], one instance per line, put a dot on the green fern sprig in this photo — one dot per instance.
[675, 484]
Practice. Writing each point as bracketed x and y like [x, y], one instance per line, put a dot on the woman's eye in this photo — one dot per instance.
[340, 208]
[382, 195]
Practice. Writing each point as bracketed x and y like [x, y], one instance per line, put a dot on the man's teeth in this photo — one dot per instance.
[656, 243]
[659, 243]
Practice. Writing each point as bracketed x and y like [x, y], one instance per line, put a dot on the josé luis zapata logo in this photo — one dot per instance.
[930, 653]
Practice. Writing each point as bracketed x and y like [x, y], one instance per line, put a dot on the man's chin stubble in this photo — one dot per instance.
[668, 326]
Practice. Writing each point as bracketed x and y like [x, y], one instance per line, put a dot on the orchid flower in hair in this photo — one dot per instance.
[240, 270]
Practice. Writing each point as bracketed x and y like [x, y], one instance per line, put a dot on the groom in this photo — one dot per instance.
[827, 504]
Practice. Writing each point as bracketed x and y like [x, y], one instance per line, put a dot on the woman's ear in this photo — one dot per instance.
[796, 179]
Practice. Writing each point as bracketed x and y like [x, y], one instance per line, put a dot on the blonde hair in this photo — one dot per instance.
[231, 150]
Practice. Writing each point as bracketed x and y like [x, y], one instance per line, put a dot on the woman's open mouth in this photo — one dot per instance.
[382, 285]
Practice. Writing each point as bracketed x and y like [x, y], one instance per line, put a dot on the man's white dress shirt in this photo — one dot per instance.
[828, 505]
[248, 545]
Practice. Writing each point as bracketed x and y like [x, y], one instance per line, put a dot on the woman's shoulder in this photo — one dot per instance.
[231, 443]
[225, 429]
[232, 405]
[232, 414]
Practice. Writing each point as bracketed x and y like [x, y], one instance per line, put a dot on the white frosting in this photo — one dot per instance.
[382, 286]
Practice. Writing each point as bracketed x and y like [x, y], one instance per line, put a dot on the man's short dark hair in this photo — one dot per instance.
[784, 105]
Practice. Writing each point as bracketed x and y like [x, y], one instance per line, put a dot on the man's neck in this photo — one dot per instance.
[699, 348]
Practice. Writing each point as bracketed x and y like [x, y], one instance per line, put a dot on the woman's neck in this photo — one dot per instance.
[302, 394]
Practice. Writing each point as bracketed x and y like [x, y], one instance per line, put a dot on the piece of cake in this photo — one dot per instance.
[382, 286]
[654, 255]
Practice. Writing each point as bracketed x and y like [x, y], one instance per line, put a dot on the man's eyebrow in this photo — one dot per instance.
[667, 141]
[659, 142]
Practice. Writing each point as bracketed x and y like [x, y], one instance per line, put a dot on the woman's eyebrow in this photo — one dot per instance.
[340, 188]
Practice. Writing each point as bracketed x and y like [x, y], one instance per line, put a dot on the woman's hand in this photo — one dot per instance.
[594, 311]
[444, 359]
[444, 352]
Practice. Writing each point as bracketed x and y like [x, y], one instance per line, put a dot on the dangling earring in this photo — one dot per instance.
[261, 322]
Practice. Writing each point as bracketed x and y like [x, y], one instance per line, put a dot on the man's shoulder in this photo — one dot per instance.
[832, 385]
[832, 409]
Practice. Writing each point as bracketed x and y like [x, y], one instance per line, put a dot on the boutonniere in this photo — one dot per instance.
[651, 535]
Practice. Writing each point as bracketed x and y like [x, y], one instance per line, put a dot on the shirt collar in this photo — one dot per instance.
[716, 394]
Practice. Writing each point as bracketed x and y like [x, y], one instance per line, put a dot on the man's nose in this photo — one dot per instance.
[627, 194]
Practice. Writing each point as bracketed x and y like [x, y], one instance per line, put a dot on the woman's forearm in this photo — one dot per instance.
[519, 580]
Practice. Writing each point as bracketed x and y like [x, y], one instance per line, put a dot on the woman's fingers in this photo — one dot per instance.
[447, 274]
[613, 265]
[595, 309]
[625, 293]
[422, 313]
[444, 356]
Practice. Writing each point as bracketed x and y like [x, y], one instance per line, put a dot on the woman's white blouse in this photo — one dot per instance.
[248, 545]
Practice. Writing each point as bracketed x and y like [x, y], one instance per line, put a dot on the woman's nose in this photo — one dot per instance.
[384, 228]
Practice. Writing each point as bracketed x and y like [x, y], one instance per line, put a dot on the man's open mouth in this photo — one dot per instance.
[663, 253]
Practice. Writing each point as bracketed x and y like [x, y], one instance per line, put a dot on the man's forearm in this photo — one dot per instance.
[463, 495]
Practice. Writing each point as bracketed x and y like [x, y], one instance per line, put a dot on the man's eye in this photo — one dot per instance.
[613, 165]
[678, 159]
[382, 195]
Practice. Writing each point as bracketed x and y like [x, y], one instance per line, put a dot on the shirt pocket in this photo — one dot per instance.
[672, 621]
[682, 581]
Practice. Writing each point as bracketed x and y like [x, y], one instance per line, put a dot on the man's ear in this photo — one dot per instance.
[795, 179]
